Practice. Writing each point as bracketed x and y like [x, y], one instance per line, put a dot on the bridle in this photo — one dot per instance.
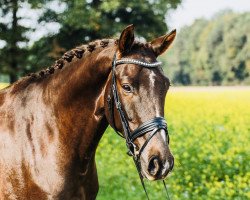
[152, 125]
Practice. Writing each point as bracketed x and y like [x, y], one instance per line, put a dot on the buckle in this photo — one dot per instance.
[129, 153]
[131, 148]
[118, 105]
[161, 127]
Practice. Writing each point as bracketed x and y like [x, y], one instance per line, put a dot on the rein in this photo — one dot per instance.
[152, 125]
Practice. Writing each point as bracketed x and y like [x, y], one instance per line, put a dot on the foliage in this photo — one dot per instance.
[14, 30]
[83, 21]
[209, 132]
[12, 35]
[212, 52]
[95, 19]
[80, 21]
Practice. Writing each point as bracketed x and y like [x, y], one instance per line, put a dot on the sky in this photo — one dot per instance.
[190, 10]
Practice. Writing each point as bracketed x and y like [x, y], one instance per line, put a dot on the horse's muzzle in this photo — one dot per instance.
[158, 169]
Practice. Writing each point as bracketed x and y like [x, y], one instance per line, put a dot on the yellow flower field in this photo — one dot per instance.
[210, 132]
[2, 85]
[210, 139]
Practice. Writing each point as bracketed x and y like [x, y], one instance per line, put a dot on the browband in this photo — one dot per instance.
[138, 62]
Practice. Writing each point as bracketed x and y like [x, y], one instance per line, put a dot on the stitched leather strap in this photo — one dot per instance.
[157, 122]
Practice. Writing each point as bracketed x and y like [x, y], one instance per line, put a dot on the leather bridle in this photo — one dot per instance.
[152, 125]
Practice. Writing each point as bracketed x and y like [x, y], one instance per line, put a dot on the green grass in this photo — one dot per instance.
[210, 134]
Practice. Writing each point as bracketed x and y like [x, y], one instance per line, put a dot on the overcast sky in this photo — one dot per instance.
[190, 10]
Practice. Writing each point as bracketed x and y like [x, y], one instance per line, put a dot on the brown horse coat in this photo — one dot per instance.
[51, 123]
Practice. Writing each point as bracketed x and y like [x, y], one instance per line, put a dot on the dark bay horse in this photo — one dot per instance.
[51, 121]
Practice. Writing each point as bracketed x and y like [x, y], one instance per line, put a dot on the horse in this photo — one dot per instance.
[52, 121]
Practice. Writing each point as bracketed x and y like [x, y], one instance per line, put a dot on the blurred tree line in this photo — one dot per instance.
[212, 52]
[80, 21]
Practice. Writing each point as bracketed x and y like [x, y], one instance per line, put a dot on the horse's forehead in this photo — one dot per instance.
[135, 72]
[142, 48]
[145, 54]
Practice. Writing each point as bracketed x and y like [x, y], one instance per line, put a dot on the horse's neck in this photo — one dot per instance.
[79, 103]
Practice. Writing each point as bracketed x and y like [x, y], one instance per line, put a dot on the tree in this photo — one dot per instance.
[80, 22]
[83, 21]
[212, 52]
[13, 37]
[11, 34]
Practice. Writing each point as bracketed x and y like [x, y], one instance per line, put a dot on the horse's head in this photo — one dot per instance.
[141, 90]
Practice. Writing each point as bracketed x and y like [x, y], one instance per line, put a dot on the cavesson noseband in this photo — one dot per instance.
[152, 125]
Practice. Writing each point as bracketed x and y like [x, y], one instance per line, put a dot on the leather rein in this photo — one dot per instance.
[152, 125]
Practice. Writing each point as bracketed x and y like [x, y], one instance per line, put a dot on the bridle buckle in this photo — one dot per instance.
[118, 105]
[131, 148]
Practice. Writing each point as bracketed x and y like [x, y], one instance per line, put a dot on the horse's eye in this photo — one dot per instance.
[127, 88]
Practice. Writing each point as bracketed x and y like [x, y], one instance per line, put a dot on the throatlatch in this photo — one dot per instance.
[152, 126]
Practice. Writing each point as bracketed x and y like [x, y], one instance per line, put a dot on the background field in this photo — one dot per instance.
[2, 85]
[209, 131]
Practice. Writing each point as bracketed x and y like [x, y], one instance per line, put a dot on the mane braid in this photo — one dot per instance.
[77, 52]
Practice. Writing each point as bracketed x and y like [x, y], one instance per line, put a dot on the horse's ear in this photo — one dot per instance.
[126, 39]
[161, 44]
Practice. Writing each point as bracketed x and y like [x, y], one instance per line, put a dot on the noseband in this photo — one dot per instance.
[152, 125]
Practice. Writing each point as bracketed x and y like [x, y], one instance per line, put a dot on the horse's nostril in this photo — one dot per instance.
[171, 164]
[154, 166]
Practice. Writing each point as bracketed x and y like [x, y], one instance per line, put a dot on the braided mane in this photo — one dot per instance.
[77, 52]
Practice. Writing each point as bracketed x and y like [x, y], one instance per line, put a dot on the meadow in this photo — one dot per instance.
[210, 138]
